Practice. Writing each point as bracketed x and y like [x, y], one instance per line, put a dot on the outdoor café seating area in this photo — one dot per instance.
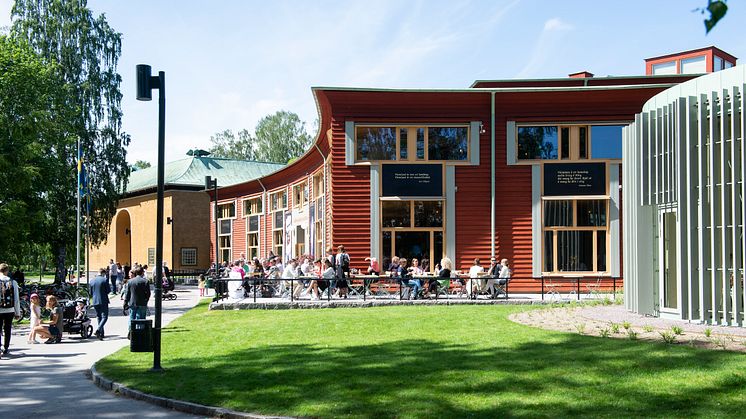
[364, 289]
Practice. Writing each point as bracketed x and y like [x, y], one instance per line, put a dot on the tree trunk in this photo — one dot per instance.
[60, 271]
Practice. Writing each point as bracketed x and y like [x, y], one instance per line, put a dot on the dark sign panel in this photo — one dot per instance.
[562, 179]
[412, 180]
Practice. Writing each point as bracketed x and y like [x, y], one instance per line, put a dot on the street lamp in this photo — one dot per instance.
[213, 183]
[146, 83]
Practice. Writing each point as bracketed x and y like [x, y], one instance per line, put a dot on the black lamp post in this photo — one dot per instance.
[213, 183]
[146, 83]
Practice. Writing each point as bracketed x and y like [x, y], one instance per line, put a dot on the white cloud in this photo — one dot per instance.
[546, 47]
[556, 24]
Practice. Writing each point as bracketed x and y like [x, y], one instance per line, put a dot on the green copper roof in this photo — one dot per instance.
[192, 171]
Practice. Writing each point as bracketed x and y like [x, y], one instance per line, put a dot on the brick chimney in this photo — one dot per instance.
[581, 75]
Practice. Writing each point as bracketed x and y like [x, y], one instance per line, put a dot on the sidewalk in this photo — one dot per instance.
[50, 380]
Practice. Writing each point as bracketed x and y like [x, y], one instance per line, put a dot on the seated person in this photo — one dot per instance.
[471, 284]
[373, 269]
[51, 329]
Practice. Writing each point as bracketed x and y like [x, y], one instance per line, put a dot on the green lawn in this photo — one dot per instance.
[426, 362]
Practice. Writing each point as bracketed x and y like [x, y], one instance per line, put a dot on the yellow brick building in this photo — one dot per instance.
[186, 213]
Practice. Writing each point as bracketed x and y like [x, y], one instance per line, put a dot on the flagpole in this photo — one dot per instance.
[87, 231]
[77, 220]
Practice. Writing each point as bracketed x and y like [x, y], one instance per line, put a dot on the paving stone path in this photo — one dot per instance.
[49, 380]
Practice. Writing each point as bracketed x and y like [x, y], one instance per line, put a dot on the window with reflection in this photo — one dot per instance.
[569, 142]
[428, 213]
[375, 143]
[447, 143]
[537, 143]
[396, 214]
[575, 235]
[607, 141]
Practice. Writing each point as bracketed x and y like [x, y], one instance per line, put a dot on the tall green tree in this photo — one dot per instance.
[33, 120]
[233, 146]
[281, 137]
[86, 50]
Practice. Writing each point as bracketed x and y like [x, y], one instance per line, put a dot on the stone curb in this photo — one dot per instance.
[287, 305]
[179, 405]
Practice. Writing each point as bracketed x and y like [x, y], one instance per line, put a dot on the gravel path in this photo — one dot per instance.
[609, 321]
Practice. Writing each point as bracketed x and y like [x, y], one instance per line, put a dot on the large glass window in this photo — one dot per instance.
[252, 236]
[572, 142]
[278, 200]
[252, 206]
[412, 143]
[188, 256]
[412, 229]
[376, 143]
[300, 195]
[428, 213]
[607, 141]
[396, 213]
[537, 143]
[575, 235]
[447, 143]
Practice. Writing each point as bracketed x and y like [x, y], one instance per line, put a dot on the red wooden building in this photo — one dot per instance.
[527, 170]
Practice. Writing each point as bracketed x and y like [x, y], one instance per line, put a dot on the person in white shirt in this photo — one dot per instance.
[504, 272]
[10, 305]
[291, 272]
[471, 285]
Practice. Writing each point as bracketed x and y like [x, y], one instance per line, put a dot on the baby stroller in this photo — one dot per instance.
[72, 322]
[167, 286]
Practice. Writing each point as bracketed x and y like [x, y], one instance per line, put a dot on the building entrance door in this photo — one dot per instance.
[413, 244]
[669, 283]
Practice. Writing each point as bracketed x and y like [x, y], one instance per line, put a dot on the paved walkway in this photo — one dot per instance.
[49, 380]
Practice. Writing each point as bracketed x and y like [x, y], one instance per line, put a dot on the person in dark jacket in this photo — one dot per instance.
[100, 290]
[137, 296]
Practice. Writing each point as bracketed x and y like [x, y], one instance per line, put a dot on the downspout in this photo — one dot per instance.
[264, 210]
[323, 220]
[492, 175]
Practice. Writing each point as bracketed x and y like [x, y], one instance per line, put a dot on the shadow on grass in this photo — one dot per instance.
[568, 375]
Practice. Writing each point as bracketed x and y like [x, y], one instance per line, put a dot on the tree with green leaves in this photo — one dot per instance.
[233, 146]
[86, 50]
[279, 138]
[33, 120]
[717, 10]
[140, 164]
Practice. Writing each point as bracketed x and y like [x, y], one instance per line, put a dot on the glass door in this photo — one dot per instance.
[669, 284]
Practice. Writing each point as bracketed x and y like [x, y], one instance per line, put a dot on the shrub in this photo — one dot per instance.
[604, 333]
[708, 332]
[626, 325]
[668, 337]
[580, 327]
[677, 330]
[647, 328]
[614, 328]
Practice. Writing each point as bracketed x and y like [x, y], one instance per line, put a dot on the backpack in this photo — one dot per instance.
[345, 262]
[7, 296]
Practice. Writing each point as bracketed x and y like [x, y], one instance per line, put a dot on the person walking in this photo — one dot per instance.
[113, 272]
[10, 306]
[137, 296]
[100, 292]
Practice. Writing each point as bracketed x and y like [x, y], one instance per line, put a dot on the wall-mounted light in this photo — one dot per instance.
[169, 220]
[481, 128]
[126, 232]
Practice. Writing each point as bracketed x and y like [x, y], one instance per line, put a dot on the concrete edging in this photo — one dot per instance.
[179, 405]
[304, 304]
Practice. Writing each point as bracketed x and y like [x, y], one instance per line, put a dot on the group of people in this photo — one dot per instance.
[331, 271]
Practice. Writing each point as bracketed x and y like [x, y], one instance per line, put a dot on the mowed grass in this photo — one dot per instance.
[426, 361]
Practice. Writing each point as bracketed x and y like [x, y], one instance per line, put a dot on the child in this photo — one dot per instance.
[80, 312]
[201, 285]
[35, 318]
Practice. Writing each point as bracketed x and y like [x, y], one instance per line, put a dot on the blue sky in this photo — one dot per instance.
[228, 63]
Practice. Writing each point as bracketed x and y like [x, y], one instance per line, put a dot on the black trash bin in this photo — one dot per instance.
[141, 336]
